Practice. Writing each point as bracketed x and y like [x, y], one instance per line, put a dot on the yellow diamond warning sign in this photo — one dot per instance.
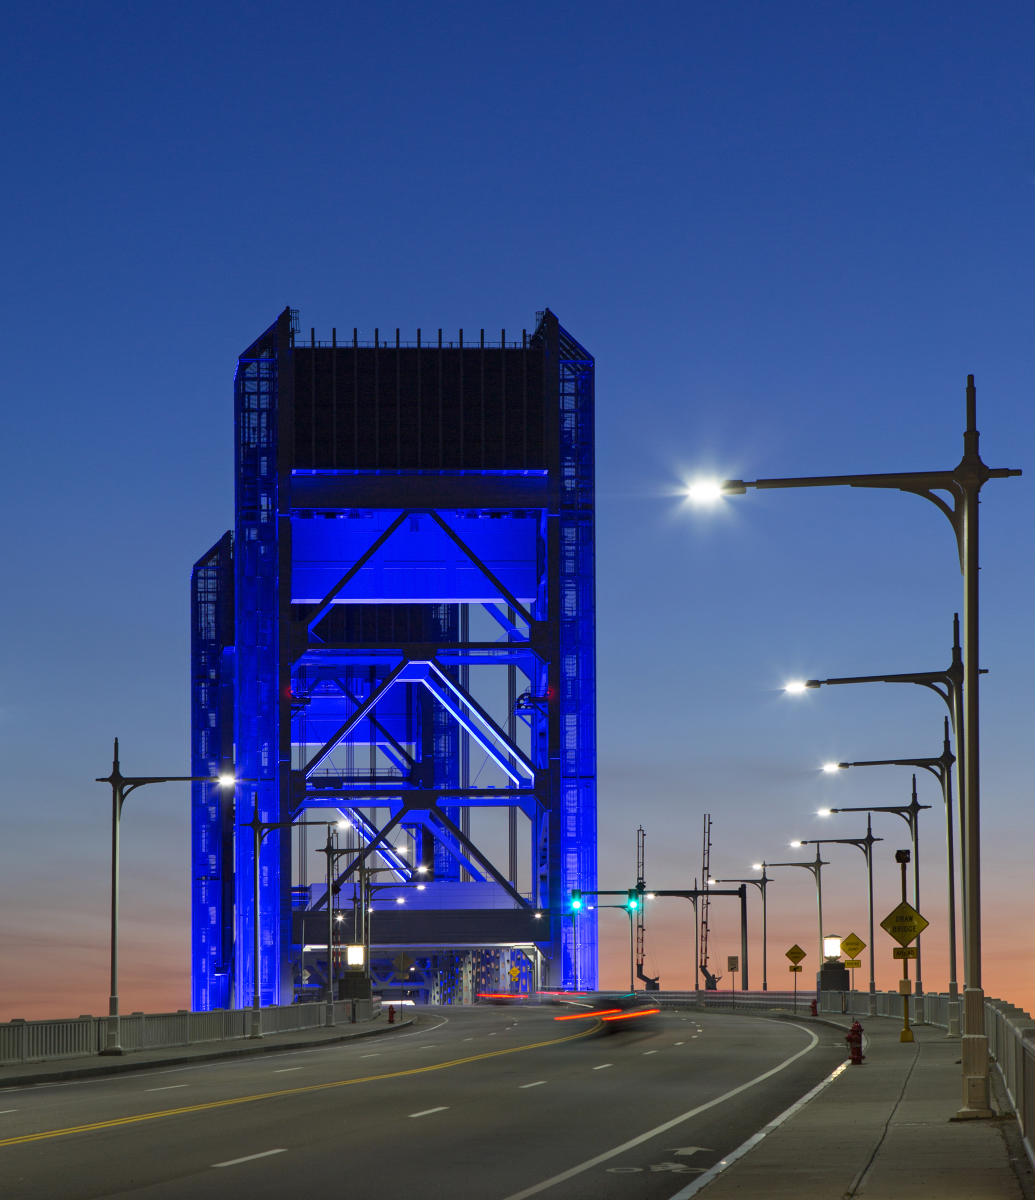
[795, 954]
[852, 945]
[904, 923]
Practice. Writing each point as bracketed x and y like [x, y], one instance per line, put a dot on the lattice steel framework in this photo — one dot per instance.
[405, 644]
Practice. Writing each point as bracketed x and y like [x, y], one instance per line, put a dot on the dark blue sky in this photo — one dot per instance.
[787, 233]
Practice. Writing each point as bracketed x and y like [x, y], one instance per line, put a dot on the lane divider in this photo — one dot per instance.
[233, 1162]
[116, 1122]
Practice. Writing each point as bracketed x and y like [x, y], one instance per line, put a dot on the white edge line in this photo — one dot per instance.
[232, 1162]
[169, 1087]
[428, 1111]
[280, 1071]
[538, 1083]
[536, 1188]
[603, 1066]
[10, 1110]
[703, 1180]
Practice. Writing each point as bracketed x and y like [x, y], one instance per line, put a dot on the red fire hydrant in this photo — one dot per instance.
[812, 1008]
[854, 1038]
[391, 1014]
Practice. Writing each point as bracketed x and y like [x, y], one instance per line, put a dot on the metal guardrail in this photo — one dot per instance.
[41, 1041]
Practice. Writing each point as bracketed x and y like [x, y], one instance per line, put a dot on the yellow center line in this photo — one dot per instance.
[296, 1091]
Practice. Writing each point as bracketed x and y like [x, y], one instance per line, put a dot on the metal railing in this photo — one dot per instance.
[41, 1041]
[1011, 1041]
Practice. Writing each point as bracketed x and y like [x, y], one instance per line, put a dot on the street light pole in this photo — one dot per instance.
[761, 884]
[816, 868]
[948, 685]
[121, 786]
[259, 830]
[865, 844]
[909, 813]
[940, 768]
[963, 484]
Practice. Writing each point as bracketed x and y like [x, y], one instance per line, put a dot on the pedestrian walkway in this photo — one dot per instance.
[19, 1074]
[883, 1131]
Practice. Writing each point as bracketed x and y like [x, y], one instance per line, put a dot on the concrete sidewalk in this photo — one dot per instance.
[86, 1067]
[884, 1131]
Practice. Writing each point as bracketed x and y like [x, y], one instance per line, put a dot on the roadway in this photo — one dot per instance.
[498, 1103]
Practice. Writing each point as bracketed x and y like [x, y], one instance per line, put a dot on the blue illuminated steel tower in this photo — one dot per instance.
[397, 643]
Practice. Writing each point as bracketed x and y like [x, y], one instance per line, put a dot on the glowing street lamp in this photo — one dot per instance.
[831, 946]
[705, 491]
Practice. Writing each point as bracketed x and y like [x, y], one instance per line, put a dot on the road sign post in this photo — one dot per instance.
[905, 925]
[795, 954]
[853, 946]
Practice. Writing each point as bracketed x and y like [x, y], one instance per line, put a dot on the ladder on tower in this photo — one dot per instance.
[641, 889]
[706, 873]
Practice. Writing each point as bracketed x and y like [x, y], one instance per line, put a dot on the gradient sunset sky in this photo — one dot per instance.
[787, 232]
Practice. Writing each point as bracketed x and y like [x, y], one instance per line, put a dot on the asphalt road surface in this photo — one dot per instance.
[482, 1103]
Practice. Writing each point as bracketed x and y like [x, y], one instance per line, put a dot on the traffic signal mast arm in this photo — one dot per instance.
[694, 893]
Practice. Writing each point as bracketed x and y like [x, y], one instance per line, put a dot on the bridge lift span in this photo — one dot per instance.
[397, 639]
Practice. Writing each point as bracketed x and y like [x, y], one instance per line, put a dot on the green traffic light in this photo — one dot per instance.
[633, 902]
[576, 901]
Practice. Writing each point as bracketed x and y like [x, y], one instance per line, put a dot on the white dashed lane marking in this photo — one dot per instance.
[428, 1111]
[232, 1162]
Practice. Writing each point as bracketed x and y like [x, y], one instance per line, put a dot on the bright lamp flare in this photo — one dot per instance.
[226, 779]
[797, 845]
[704, 491]
[831, 768]
[825, 812]
[795, 687]
[756, 866]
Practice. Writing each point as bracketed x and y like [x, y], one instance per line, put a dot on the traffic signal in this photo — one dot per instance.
[576, 900]
[633, 901]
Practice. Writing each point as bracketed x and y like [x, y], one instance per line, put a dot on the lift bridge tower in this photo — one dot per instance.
[394, 649]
